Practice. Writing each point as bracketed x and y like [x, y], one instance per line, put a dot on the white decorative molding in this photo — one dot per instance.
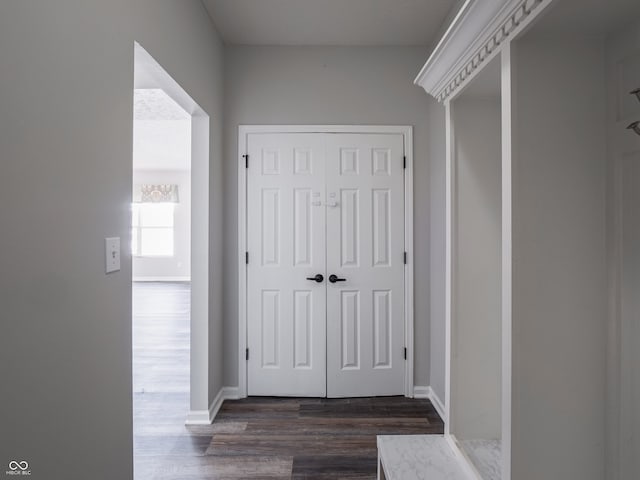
[475, 36]
[206, 417]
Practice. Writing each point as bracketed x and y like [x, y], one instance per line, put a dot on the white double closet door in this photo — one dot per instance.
[325, 277]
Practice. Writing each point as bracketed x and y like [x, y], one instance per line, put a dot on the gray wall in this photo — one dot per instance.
[630, 319]
[559, 259]
[66, 99]
[437, 233]
[327, 85]
[476, 324]
[623, 387]
[437, 224]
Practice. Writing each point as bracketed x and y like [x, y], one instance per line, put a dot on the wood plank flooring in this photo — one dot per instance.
[257, 437]
[161, 329]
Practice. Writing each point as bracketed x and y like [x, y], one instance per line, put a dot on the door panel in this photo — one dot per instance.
[349, 208]
[286, 313]
[349, 335]
[329, 204]
[365, 246]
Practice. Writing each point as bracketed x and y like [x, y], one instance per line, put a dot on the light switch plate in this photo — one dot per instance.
[112, 254]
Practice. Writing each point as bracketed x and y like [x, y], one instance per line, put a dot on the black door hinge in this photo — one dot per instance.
[404, 162]
[247, 354]
[405, 258]
[405, 353]
[246, 160]
[246, 258]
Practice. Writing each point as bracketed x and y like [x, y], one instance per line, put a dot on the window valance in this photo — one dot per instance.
[148, 193]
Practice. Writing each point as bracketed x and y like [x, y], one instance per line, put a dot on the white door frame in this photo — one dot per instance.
[243, 132]
[199, 310]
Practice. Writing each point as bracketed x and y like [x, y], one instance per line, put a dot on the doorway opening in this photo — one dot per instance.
[169, 229]
[160, 249]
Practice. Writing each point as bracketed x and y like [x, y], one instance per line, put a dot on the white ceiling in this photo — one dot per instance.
[589, 16]
[329, 22]
[155, 104]
[161, 132]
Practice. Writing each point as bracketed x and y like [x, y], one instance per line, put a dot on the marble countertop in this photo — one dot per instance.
[486, 455]
[419, 457]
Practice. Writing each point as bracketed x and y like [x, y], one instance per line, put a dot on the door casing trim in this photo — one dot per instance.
[407, 132]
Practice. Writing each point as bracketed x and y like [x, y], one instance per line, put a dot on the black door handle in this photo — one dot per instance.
[318, 278]
[334, 278]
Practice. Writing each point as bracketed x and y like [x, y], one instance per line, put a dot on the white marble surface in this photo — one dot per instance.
[419, 457]
[486, 457]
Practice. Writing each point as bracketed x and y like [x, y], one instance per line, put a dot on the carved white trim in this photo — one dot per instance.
[475, 36]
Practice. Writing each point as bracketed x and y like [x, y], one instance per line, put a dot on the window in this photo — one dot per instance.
[152, 230]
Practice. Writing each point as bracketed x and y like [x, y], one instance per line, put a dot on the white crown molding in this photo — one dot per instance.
[473, 38]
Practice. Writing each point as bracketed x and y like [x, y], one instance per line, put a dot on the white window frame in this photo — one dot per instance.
[138, 253]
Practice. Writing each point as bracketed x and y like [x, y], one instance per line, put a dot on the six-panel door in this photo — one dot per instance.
[329, 205]
[365, 247]
[286, 313]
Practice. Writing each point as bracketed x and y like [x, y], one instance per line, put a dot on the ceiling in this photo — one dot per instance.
[161, 132]
[155, 104]
[589, 16]
[329, 22]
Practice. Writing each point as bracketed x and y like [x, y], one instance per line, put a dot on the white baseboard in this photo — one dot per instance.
[161, 279]
[437, 403]
[231, 393]
[421, 392]
[427, 392]
[206, 417]
[197, 417]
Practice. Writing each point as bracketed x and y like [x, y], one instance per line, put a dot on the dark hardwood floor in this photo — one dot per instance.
[253, 438]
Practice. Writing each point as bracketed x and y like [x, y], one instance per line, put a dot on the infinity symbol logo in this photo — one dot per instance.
[13, 465]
